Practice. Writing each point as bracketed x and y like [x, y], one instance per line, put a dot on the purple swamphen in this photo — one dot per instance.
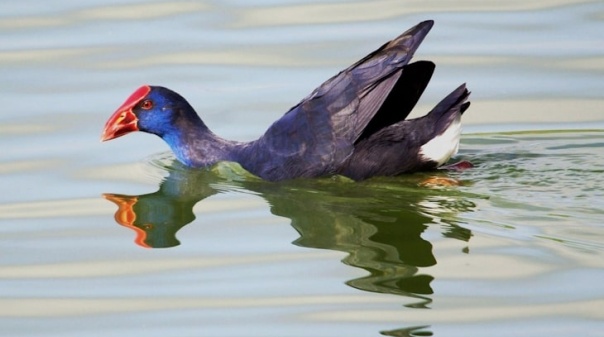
[353, 125]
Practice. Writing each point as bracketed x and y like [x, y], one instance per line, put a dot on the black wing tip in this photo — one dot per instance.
[412, 38]
[421, 28]
[425, 64]
[426, 23]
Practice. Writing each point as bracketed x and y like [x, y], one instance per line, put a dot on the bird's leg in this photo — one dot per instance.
[459, 166]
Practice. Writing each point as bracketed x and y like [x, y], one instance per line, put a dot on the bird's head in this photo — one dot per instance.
[151, 109]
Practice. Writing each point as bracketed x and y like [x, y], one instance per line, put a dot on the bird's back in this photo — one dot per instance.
[315, 137]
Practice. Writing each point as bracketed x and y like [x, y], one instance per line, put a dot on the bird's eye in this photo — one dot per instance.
[146, 104]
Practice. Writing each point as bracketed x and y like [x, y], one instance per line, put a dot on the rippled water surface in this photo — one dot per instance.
[116, 239]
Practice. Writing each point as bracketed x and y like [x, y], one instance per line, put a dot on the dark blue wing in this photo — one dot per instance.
[314, 137]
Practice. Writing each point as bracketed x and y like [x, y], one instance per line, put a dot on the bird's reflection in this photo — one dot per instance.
[379, 223]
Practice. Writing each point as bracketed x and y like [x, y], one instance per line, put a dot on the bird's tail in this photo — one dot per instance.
[445, 120]
[449, 109]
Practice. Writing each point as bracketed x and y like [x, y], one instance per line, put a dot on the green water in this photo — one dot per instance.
[541, 179]
[551, 182]
[513, 244]
[514, 239]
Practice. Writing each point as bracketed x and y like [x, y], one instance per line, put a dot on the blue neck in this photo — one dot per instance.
[199, 147]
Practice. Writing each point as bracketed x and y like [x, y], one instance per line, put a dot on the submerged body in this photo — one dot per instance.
[354, 124]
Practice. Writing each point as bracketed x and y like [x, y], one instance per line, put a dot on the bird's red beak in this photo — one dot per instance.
[119, 124]
[123, 120]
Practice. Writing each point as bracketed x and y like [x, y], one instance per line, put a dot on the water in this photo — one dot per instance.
[511, 247]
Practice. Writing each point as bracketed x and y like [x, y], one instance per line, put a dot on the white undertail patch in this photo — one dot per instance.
[444, 146]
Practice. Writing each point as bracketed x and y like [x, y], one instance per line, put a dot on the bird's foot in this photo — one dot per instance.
[439, 182]
[459, 166]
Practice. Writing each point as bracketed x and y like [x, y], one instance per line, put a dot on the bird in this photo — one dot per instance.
[354, 124]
